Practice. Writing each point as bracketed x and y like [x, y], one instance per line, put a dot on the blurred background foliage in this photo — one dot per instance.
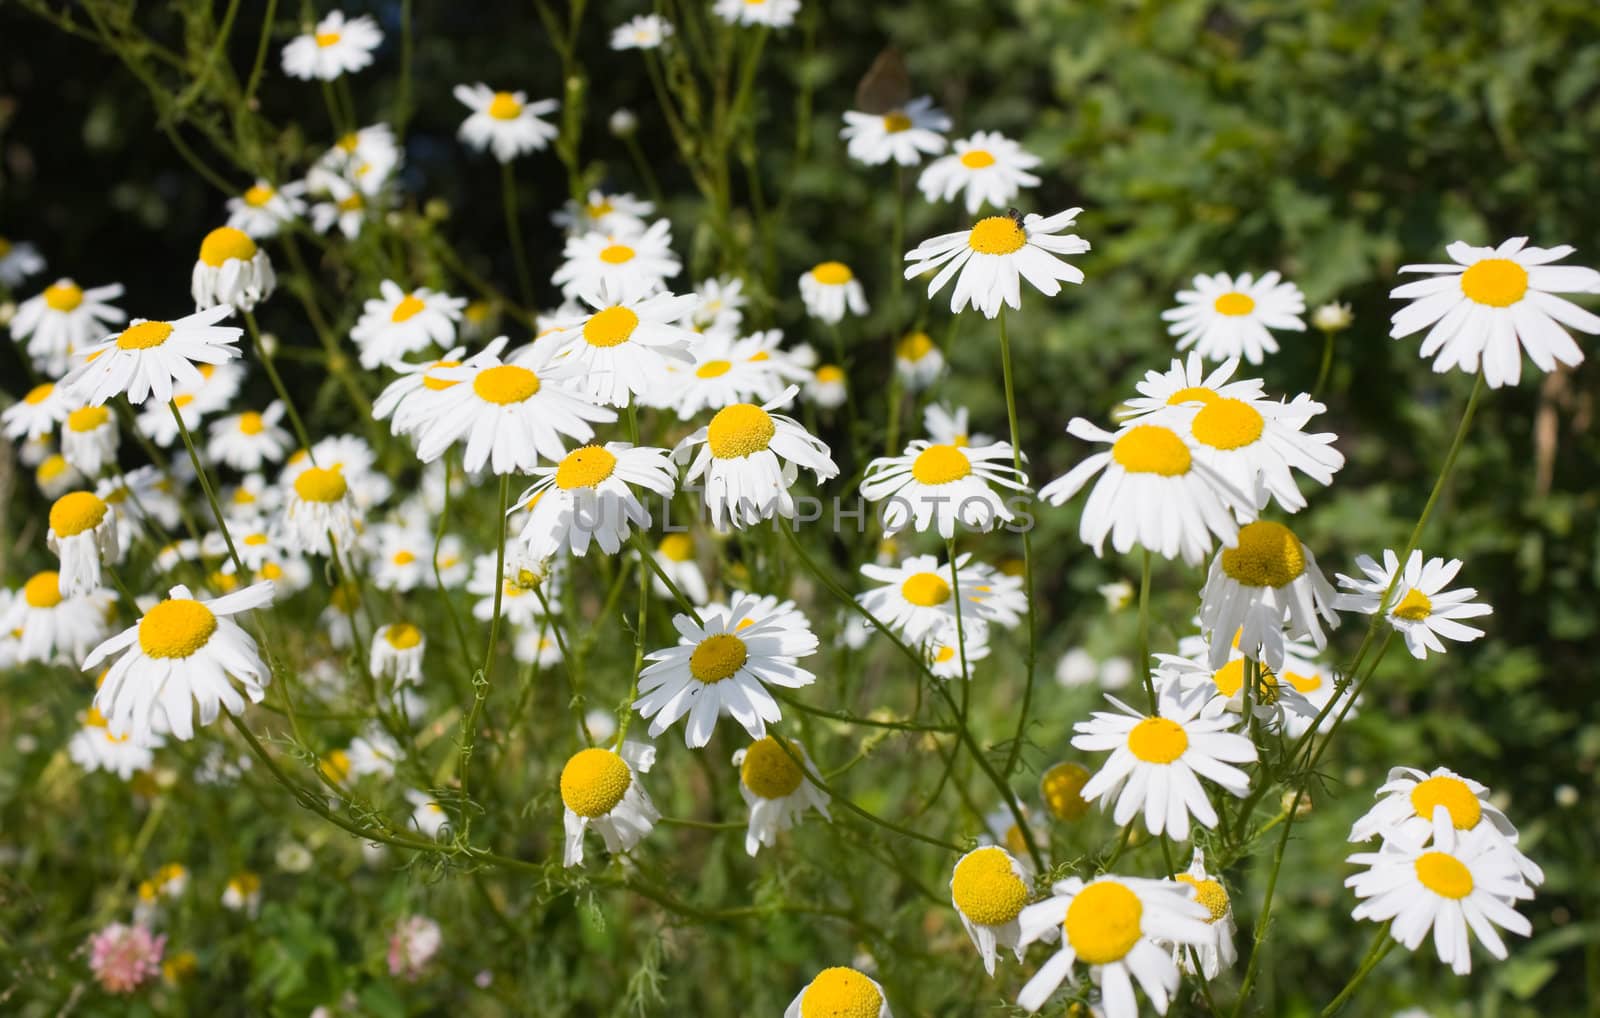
[1333, 140]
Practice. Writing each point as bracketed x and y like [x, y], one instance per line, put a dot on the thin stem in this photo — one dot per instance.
[508, 191]
[277, 385]
[205, 486]
[1381, 946]
[1027, 554]
[480, 681]
[646, 554]
[1144, 633]
[1327, 362]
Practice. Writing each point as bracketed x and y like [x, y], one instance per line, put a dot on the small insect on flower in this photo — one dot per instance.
[939, 486]
[829, 290]
[83, 533]
[337, 46]
[778, 789]
[989, 167]
[147, 359]
[989, 889]
[994, 257]
[1224, 317]
[505, 123]
[64, 319]
[263, 210]
[588, 498]
[1268, 580]
[399, 323]
[1419, 608]
[231, 270]
[600, 789]
[838, 992]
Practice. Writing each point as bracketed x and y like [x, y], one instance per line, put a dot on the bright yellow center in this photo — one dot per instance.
[407, 309]
[402, 558]
[1415, 606]
[38, 394]
[176, 628]
[1497, 282]
[224, 244]
[326, 39]
[830, 374]
[1444, 875]
[894, 123]
[87, 418]
[1158, 740]
[94, 719]
[1062, 789]
[1227, 424]
[925, 590]
[183, 399]
[321, 484]
[1230, 680]
[1208, 893]
[718, 657]
[43, 591]
[1103, 922]
[713, 369]
[1453, 794]
[1268, 555]
[610, 327]
[1192, 394]
[594, 781]
[841, 993]
[1152, 449]
[402, 636]
[832, 273]
[63, 296]
[941, 464]
[603, 207]
[585, 467]
[73, 514]
[52, 468]
[997, 235]
[144, 336]
[740, 430]
[505, 384]
[351, 204]
[1235, 304]
[986, 889]
[617, 254]
[504, 106]
[258, 196]
[245, 884]
[256, 540]
[677, 547]
[976, 159]
[768, 771]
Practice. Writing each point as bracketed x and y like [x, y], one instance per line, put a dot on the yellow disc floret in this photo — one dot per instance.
[713, 369]
[594, 781]
[740, 430]
[226, 244]
[63, 296]
[1208, 893]
[718, 657]
[1152, 449]
[1267, 555]
[1444, 875]
[986, 888]
[913, 347]
[1158, 740]
[86, 419]
[841, 993]
[504, 106]
[76, 512]
[1415, 606]
[43, 590]
[402, 636]
[617, 254]
[1227, 424]
[925, 590]
[677, 547]
[976, 159]
[610, 326]
[1496, 282]
[894, 123]
[832, 273]
[1103, 922]
[505, 384]
[768, 771]
[1235, 304]
[585, 467]
[321, 484]
[997, 235]
[176, 628]
[1453, 794]
[408, 308]
[941, 464]
[1062, 790]
[144, 335]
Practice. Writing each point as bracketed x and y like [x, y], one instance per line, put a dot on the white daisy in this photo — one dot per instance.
[399, 323]
[1419, 608]
[722, 302]
[1185, 382]
[20, 259]
[777, 789]
[403, 558]
[505, 122]
[364, 159]
[353, 458]
[1492, 301]
[626, 266]
[1257, 445]
[89, 438]
[917, 361]
[830, 289]
[989, 889]
[397, 651]
[827, 387]
[988, 166]
[1224, 317]
[1269, 579]
[50, 626]
[947, 426]
[55, 476]
[262, 210]
[676, 557]
[769, 13]
[427, 816]
[148, 358]
[374, 751]
[1408, 801]
[904, 135]
[1273, 703]
[995, 255]
[94, 748]
[64, 319]
[838, 991]
[916, 601]
[336, 47]
[540, 647]
[231, 270]
[1219, 953]
[340, 206]
[412, 399]
[243, 894]
[83, 533]
[600, 789]
[951, 653]
[318, 513]
[250, 440]
[36, 414]
[727, 369]
[646, 31]
[520, 588]
[614, 214]
[620, 347]
[586, 498]
[935, 487]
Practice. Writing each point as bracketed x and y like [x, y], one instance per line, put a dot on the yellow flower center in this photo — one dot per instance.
[94, 719]
[997, 235]
[840, 993]
[585, 467]
[439, 384]
[224, 244]
[245, 884]
[1192, 394]
[1230, 680]
[1062, 789]
[941, 464]
[1158, 740]
[718, 657]
[1444, 875]
[1227, 424]
[351, 204]
[504, 106]
[1415, 606]
[326, 39]
[1453, 794]
[594, 781]
[1152, 449]
[832, 273]
[335, 766]
[63, 296]
[43, 591]
[768, 771]
[678, 547]
[38, 394]
[976, 159]
[256, 540]
[894, 123]
[1103, 922]
[713, 369]
[610, 327]
[321, 484]
[87, 418]
[144, 336]
[505, 384]
[176, 628]
[407, 309]
[914, 347]
[830, 374]
[617, 254]
[740, 430]
[986, 889]
[925, 590]
[258, 196]
[1235, 304]
[603, 207]
[1268, 555]
[1497, 282]
[403, 558]
[73, 514]
[52, 468]
[402, 636]
[1208, 893]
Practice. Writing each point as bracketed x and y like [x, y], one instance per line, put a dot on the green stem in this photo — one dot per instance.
[1381, 946]
[480, 681]
[1027, 555]
[508, 192]
[1144, 633]
[205, 486]
[1327, 362]
[278, 386]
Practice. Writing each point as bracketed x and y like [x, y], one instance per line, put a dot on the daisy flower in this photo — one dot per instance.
[182, 654]
[505, 122]
[51, 626]
[1267, 578]
[55, 476]
[676, 557]
[403, 558]
[89, 438]
[147, 359]
[336, 47]
[916, 601]
[318, 513]
[1219, 953]
[769, 13]
[1420, 608]
[723, 666]
[250, 440]
[830, 289]
[1153, 491]
[620, 214]
[1258, 445]
[510, 415]
[777, 789]
[904, 135]
[1407, 805]
[411, 399]
[945, 647]
[1224, 317]
[374, 751]
[1156, 762]
[94, 748]
[64, 319]
[995, 255]
[243, 894]
[37, 413]
[397, 653]
[947, 426]
[1273, 703]
[262, 210]
[989, 889]
[727, 369]
[353, 458]
[520, 588]
[600, 789]
[827, 387]
[626, 266]
[364, 158]
[539, 647]
[1188, 382]
[837, 991]
[1455, 882]
[722, 302]
[399, 323]
[341, 207]
[936, 486]
[1117, 926]
[231, 270]
[620, 347]
[1493, 300]
[83, 532]
[646, 31]
[19, 259]
[750, 458]
[917, 361]
[988, 166]
[427, 816]
[586, 498]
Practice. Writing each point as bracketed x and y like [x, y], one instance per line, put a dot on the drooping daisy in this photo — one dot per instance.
[374, 751]
[1224, 317]
[1455, 882]
[614, 214]
[353, 458]
[94, 748]
[626, 266]
[231, 270]
[769, 13]
[995, 255]
[1406, 807]
[951, 653]
[988, 166]
[947, 426]
[1153, 491]
[397, 651]
[148, 358]
[337, 46]
[1268, 580]
[1219, 953]
[917, 361]
[1116, 926]
[20, 259]
[182, 654]
[837, 992]
[827, 387]
[1156, 762]
[1419, 608]
[64, 319]
[1493, 303]
[989, 889]
[586, 498]
[935, 487]
[750, 459]
[364, 159]
[83, 532]
[399, 323]
[36, 414]
[141, 494]
[403, 558]
[676, 557]
[539, 647]
[50, 626]
[916, 599]
[250, 440]
[620, 347]
[505, 123]
[830, 289]
[904, 135]
[646, 31]
[777, 789]
[89, 439]
[318, 513]
[262, 210]
[723, 666]
[600, 789]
